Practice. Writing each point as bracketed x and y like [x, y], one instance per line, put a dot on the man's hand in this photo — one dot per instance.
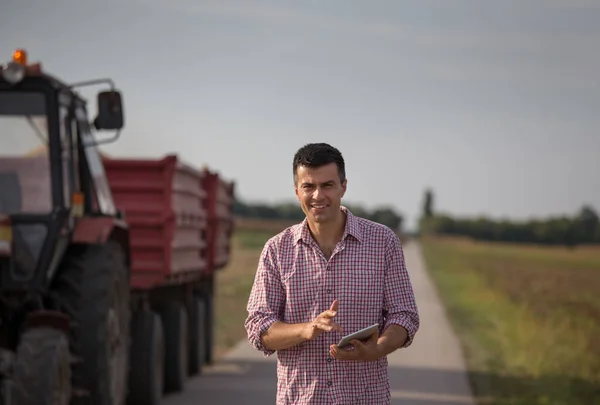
[374, 348]
[367, 351]
[282, 335]
[323, 323]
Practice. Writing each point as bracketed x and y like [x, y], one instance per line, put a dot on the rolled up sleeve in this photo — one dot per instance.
[400, 307]
[266, 301]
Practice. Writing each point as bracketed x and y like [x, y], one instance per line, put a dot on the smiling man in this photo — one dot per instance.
[330, 275]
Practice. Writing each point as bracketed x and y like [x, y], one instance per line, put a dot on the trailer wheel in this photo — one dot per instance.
[93, 287]
[42, 373]
[174, 319]
[209, 328]
[146, 374]
[197, 339]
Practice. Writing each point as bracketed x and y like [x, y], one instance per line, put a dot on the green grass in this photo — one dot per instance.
[253, 240]
[528, 318]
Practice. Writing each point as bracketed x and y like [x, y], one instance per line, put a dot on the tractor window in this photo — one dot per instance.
[23, 123]
[24, 165]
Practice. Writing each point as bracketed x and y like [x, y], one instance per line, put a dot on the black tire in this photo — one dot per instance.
[209, 328]
[93, 286]
[146, 374]
[42, 373]
[174, 319]
[197, 338]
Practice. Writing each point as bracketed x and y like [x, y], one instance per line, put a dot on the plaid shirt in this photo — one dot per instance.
[294, 283]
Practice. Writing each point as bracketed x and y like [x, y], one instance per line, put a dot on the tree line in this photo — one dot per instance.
[291, 211]
[583, 227]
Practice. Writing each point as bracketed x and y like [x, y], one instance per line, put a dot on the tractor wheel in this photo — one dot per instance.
[42, 369]
[197, 339]
[93, 286]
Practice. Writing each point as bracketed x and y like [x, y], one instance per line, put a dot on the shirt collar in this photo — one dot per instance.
[353, 228]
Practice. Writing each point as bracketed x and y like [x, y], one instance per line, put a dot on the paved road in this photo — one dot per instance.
[430, 372]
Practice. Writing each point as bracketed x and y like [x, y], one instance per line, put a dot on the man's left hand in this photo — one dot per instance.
[367, 351]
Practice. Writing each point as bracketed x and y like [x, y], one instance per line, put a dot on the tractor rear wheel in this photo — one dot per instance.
[42, 369]
[93, 286]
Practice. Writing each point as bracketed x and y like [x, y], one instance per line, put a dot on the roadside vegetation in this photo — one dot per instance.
[528, 317]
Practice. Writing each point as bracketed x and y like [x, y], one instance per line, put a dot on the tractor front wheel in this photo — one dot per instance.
[42, 369]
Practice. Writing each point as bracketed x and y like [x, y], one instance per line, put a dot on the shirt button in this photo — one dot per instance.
[329, 383]
[329, 359]
[329, 291]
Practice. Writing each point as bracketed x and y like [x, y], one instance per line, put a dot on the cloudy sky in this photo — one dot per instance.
[495, 105]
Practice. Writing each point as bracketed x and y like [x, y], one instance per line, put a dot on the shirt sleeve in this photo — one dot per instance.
[266, 301]
[399, 305]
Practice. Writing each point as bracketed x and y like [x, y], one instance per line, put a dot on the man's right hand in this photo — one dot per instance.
[323, 323]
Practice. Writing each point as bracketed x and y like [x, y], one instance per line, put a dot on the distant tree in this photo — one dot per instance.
[290, 211]
[387, 216]
[582, 228]
[428, 204]
[587, 224]
[357, 210]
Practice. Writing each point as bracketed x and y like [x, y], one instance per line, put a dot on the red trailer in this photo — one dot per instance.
[180, 222]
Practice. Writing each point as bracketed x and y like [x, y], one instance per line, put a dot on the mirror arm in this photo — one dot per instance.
[105, 141]
[93, 82]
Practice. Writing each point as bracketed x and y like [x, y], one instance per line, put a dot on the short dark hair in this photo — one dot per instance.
[315, 155]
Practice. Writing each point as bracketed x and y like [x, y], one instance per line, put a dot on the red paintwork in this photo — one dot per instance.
[219, 205]
[95, 230]
[164, 205]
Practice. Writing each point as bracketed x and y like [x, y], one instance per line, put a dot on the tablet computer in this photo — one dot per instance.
[358, 335]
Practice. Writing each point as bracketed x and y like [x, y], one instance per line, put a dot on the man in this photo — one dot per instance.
[330, 275]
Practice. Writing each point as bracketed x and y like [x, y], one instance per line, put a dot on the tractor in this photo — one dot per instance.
[65, 310]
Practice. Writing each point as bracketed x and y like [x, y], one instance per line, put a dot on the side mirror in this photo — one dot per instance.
[110, 111]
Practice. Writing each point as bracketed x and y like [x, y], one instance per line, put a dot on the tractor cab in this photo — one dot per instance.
[50, 170]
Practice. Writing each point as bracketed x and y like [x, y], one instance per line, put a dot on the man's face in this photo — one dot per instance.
[320, 192]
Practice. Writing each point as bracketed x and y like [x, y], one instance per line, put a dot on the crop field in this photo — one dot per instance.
[528, 318]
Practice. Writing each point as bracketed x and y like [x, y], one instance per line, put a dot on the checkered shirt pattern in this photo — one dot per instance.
[294, 283]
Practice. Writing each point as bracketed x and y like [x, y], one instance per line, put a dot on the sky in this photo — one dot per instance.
[493, 105]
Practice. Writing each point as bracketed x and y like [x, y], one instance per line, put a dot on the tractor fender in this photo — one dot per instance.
[99, 230]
